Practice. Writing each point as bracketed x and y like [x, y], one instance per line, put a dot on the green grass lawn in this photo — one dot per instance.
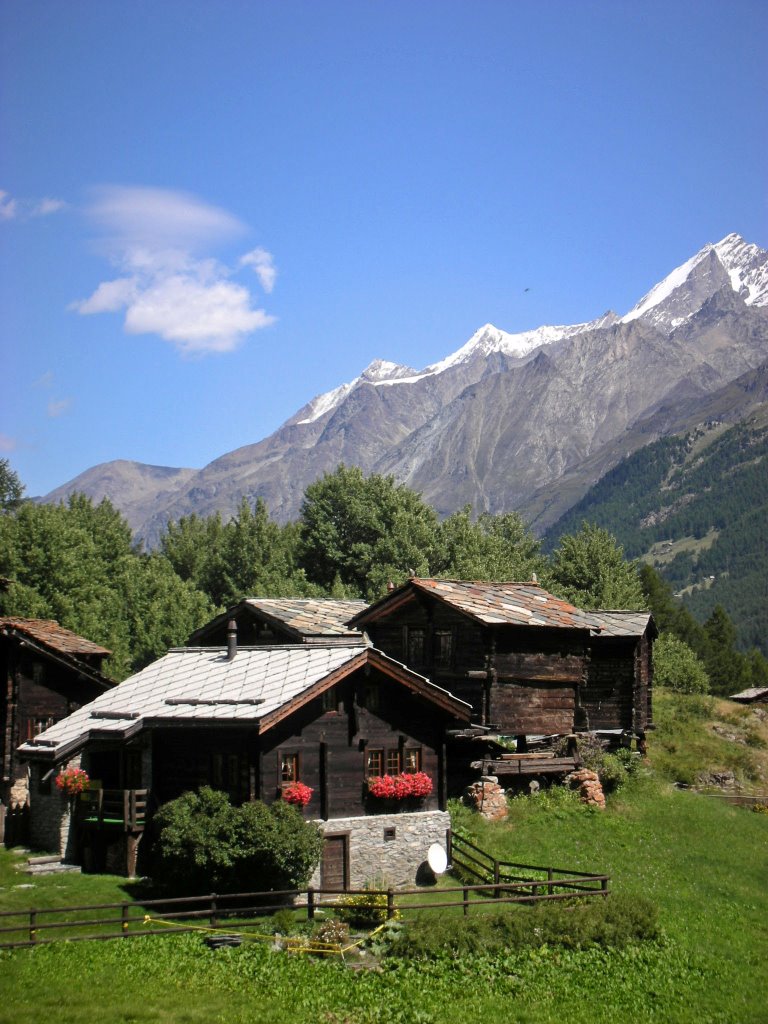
[703, 863]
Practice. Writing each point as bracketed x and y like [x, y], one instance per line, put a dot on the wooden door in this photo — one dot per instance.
[334, 870]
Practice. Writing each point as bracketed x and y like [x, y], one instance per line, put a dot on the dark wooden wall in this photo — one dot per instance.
[332, 746]
[608, 697]
[34, 688]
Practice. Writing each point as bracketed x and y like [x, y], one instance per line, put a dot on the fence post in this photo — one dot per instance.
[496, 879]
[390, 904]
[33, 926]
[213, 910]
[604, 886]
[550, 876]
[310, 904]
[465, 905]
[124, 919]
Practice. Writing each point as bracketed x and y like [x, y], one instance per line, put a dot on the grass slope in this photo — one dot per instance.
[702, 862]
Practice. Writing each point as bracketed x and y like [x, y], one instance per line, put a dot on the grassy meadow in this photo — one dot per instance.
[700, 861]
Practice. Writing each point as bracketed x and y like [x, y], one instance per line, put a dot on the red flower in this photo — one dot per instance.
[73, 781]
[400, 787]
[297, 793]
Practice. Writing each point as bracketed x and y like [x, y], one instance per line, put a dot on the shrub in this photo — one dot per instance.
[364, 910]
[330, 933]
[613, 922]
[205, 844]
[677, 667]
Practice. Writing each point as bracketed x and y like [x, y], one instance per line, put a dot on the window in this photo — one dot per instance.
[390, 834]
[393, 762]
[374, 763]
[37, 725]
[289, 769]
[442, 652]
[331, 699]
[415, 646]
[412, 760]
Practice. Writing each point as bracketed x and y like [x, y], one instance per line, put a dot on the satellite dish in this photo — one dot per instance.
[437, 858]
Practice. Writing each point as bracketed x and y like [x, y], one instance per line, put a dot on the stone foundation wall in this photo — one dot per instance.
[395, 860]
[50, 812]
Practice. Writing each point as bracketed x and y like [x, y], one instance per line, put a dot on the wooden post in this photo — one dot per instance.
[124, 919]
[390, 904]
[550, 876]
[310, 904]
[604, 887]
[33, 926]
[213, 910]
[496, 879]
[465, 905]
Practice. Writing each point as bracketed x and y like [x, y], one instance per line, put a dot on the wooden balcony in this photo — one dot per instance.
[124, 809]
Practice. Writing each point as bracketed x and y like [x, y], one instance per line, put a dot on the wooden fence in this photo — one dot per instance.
[125, 920]
[542, 882]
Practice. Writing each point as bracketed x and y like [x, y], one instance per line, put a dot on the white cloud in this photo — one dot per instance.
[168, 286]
[264, 267]
[8, 206]
[58, 408]
[47, 206]
[159, 218]
[196, 316]
[45, 381]
[11, 208]
[8, 443]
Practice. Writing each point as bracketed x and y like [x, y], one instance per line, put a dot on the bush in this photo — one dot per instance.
[615, 922]
[205, 844]
[364, 910]
[677, 667]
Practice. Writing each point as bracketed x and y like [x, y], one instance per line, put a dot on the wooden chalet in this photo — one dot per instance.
[284, 621]
[47, 673]
[530, 664]
[252, 720]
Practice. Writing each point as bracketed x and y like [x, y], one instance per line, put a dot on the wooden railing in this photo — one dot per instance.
[125, 807]
[191, 913]
[555, 883]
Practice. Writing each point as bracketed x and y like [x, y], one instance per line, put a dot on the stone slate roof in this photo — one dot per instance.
[513, 604]
[620, 623]
[200, 685]
[307, 619]
[311, 616]
[753, 693]
[52, 635]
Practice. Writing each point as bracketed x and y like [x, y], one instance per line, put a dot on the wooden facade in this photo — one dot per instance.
[46, 673]
[528, 663]
[250, 725]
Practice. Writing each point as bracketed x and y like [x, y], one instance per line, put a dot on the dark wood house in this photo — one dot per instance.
[47, 673]
[530, 664]
[284, 621]
[253, 721]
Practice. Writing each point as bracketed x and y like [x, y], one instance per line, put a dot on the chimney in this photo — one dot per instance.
[390, 586]
[231, 639]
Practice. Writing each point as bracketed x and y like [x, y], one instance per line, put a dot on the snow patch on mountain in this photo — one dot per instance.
[672, 301]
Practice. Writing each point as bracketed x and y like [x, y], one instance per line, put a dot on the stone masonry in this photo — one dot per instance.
[379, 856]
[487, 798]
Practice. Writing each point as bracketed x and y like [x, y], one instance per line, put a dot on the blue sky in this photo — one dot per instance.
[212, 212]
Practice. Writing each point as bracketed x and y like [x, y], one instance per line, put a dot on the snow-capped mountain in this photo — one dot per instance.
[508, 415]
[682, 293]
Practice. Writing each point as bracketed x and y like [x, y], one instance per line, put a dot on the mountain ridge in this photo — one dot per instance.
[503, 416]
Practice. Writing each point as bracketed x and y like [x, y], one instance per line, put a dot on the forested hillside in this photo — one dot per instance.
[696, 507]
